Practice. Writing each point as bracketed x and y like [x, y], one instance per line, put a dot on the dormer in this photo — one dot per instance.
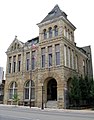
[54, 24]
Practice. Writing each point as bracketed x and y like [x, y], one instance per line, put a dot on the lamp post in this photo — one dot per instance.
[30, 86]
[42, 107]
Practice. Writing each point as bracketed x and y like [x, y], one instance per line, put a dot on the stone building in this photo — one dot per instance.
[39, 70]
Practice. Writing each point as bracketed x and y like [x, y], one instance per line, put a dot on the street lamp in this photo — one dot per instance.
[30, 87]
[42, 107]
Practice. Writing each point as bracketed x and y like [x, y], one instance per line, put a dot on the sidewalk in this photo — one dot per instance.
[50, 109]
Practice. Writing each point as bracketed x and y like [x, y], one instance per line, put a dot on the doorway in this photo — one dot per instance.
[52, 90]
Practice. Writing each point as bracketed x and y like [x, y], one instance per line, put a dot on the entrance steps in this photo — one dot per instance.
[51, 104]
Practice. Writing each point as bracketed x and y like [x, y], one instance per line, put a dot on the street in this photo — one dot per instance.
[24, 113]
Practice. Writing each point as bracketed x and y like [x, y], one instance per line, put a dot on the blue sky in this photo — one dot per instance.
[19, 17]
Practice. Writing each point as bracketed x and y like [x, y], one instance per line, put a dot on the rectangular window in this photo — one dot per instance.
[69, 57]
[65, 55]
[43, 57]
[76, 62]
[33, 59]
[19, 63]
[27, 60]
[14, 63]
[57, 54]
[50, 56]
[72, 59]
[10, 64]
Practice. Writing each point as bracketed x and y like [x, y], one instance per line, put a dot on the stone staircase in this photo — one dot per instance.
[51, 104]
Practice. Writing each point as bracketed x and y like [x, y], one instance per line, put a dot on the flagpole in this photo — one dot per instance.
[32, 47]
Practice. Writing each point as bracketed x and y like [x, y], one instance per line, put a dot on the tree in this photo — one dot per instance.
[92, 93]
[75, 93]
[85, 88]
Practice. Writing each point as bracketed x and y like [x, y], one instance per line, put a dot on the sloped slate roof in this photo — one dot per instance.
[54, 13]
[33, 41]
[87, 49]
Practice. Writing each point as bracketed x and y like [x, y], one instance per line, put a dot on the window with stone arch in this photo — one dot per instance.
[15, 45]
[12, 89]
[45, 33]
[50, 32]
[65, 31]
[71, 36]
[29, 88]
[55, 30]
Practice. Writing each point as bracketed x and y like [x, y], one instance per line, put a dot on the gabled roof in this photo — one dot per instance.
[54, 13]
[15, 41]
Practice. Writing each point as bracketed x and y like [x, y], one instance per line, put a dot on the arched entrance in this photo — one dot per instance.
[52, 89]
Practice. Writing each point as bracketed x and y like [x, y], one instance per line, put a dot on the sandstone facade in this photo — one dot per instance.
[49, 60]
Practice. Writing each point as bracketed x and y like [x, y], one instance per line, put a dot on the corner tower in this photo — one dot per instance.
[56, 24]
[55, 31]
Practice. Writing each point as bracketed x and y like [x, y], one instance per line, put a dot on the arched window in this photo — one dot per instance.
[29, 88]
[15, 45]
[18, 46]
[71, 36]
[45, 33]
[65, 32]
[12, 89]
[55, 30]
[12, 48]
[50, 32]
[68, 34]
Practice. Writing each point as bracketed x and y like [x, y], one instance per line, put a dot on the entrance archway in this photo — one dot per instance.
[52, 89]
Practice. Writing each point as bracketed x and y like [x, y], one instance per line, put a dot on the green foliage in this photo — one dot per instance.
[15, 98]
[75, 90]
[82, 90]
[92, 90]
[75, 93]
